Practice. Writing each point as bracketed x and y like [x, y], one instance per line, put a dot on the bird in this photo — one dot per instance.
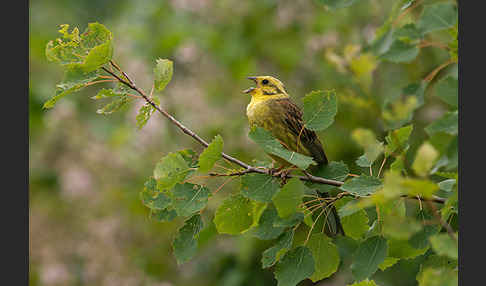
[272, 109]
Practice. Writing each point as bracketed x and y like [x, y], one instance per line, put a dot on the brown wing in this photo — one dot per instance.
[296, 126]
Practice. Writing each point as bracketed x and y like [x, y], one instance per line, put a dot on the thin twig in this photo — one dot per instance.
[381, 167]
[314, 224]
[99, 81]
[431, 76]
[222, 185]
[449, 229]
[424, 44]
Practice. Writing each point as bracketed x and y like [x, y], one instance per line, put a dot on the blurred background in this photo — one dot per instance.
[87, 224]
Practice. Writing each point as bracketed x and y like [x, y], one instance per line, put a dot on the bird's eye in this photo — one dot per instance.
[265, 81]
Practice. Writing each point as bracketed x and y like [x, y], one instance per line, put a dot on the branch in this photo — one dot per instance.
[247, 168]
[445, 225]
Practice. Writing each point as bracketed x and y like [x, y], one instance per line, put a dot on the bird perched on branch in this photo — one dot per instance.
[272, 109]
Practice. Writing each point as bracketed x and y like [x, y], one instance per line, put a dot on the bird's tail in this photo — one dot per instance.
[332, 222]
[333, 225]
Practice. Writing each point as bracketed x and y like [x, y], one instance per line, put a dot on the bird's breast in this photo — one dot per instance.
[257, 111]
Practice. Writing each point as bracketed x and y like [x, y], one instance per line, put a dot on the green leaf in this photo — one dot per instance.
[295, 266]
[211, 154]
[447, 90]
[399, 163]
[98, 56]
[362, 185]
[189, 198]
[334, 171]
[437, 17]
[87, 51]
[365, 282]
[265, 229]
[453, 44]
[362, 161]
[384, 34]
[346, 246]
[273, 254]
[75, 79]
[388, 262]
[163, 215]
[145, 112]
[383, 40]
[400, 52]
[447, 185]
[356, 224]
[399, 108]
[397, 139]
[289, 197]
[170, 170]
[438, 270]
[392, 185]
[443, 244]
[447, 123]
[403, 250]
[420, 239]
[259, 187]
[438, 277]
[362, 67]
[234, 215]
[395, 223]
[159, 202]
[153, 199]
[319, 110]
[424, 159]
[451, 206]
[409, 32]
[349, 208]
[289, 221]
[368, 256]
[115, 105]
[265, 140]
[418, 187]
[367, 140]
[207, 235]
[190, 157]
[325, 254]
[106, 93]
[434, 260]
[336, 4]
[185, 243]
[449, 175]
[162, 73]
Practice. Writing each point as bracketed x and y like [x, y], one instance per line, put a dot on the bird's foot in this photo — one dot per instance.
[274, 171]
[283, 173]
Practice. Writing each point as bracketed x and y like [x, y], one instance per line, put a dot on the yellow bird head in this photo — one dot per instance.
[266, 86]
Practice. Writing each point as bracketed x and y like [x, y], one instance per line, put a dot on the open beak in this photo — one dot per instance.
[248, 90]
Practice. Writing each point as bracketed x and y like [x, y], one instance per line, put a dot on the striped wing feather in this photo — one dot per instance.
[302, 137]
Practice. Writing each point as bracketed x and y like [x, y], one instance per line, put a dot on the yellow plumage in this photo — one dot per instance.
[272, 109]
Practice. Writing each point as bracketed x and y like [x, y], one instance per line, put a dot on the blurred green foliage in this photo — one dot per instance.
[87, 223]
